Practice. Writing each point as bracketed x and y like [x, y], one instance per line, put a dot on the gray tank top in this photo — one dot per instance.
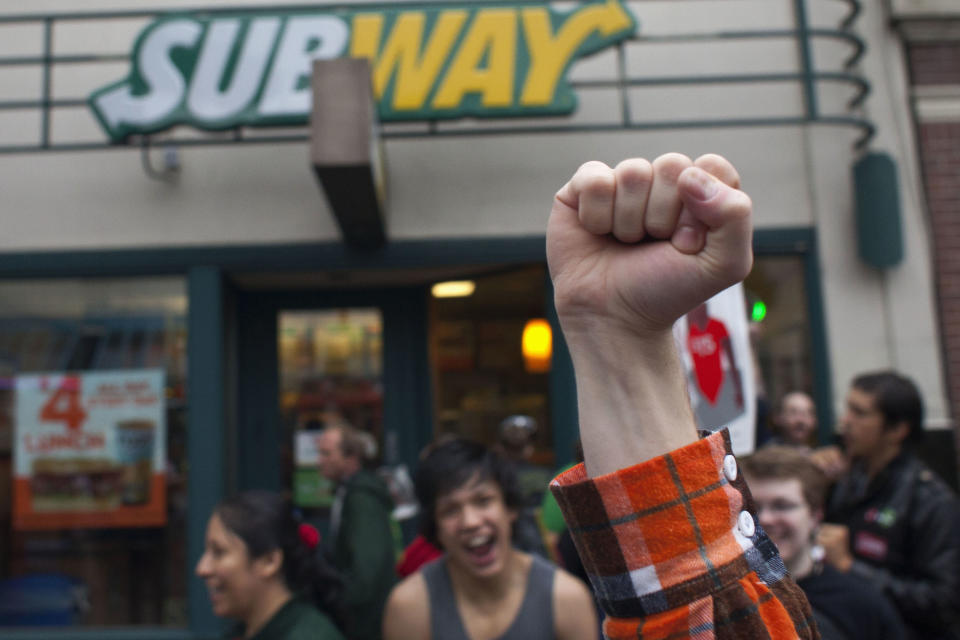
[534, 620]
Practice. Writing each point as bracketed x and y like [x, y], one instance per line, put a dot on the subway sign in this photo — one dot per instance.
[218, 72]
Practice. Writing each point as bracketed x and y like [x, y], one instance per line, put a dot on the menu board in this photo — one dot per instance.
[89, 450]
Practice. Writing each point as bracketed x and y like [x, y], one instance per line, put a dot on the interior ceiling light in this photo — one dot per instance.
[453, 289]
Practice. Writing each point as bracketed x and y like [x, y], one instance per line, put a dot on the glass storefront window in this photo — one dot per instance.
[93, 452]
[331, 368]
[479, 371]
[781, 339]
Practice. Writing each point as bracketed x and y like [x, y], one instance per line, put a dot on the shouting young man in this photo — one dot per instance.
[482, 587]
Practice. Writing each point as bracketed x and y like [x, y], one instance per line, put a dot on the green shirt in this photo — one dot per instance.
[550, 513]
[297, 620]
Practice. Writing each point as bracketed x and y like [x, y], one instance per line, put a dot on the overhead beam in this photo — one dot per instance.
[345, 150]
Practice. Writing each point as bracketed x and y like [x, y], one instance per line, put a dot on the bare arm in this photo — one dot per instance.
[574, 614]
[630, 250]
[407, 614]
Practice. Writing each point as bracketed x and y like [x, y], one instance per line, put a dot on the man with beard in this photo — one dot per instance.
[795, 420]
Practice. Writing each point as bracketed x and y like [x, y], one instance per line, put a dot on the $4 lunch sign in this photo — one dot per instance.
[89, 450]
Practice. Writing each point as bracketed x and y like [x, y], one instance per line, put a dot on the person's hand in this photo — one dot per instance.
[630, 250]
[835, 540]
[831, 460]
[639, 245]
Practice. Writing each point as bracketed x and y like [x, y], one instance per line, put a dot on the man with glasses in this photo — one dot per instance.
[788, 495]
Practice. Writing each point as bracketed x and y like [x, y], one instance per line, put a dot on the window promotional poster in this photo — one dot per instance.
[89, 450]
[714, 340]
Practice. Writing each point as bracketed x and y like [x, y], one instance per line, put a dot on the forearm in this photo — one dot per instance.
[710, 562]
[632, 393]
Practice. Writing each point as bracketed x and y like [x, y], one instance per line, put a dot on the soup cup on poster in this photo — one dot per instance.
[135, 442]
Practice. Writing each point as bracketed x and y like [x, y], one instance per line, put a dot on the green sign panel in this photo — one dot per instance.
[311, 489]
[432, 62]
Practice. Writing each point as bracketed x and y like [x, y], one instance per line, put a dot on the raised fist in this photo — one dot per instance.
[633, 248]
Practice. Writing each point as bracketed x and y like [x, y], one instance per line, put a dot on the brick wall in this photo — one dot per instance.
[937, 65]
[940, 159]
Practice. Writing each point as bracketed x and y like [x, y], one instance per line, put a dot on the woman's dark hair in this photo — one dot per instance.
[265, 521]
[449, 466]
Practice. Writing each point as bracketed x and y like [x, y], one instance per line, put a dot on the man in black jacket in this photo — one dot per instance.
[898, 524]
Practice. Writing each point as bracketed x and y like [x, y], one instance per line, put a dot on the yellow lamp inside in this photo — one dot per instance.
[537, 345]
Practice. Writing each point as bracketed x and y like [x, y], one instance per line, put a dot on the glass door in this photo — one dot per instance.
[331, 374]
[307, 360]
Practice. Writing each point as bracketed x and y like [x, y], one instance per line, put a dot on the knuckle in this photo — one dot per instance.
[712, 161]
[593, 167]
[600, 186]
[634, 173]
[671, 165]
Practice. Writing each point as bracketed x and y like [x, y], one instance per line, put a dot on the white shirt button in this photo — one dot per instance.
[746, 525]
[730, 468]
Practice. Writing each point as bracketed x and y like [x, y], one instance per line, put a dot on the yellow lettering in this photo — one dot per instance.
[492, 35]
[413, 74]
[550, 55]
[365, 35]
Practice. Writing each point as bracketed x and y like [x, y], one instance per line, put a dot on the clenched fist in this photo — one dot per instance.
[641, 244]
[630, 250]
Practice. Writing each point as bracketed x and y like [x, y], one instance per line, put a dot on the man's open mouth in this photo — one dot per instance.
[481, 548]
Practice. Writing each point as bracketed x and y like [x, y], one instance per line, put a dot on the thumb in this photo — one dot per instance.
[715, 224]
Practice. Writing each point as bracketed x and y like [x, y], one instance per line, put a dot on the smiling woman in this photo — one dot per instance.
[262, 569]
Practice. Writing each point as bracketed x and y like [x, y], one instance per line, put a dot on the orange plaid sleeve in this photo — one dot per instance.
[673, 550]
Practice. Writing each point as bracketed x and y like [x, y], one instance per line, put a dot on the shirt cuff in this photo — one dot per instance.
[668, 531]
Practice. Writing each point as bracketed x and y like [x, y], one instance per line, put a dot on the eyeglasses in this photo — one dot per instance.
[779, 507]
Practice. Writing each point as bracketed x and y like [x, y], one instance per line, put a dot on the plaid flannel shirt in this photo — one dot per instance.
[673, 550]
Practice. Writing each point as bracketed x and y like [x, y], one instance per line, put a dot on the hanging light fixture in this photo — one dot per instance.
[537, 345]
